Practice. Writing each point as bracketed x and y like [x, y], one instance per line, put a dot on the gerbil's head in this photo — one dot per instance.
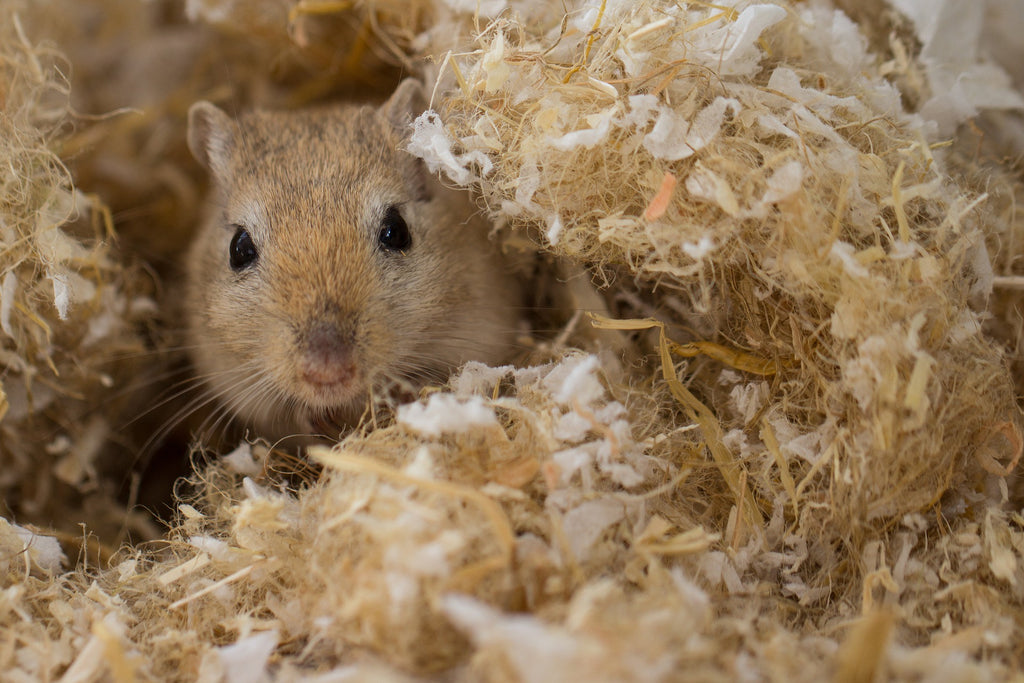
[332, 263]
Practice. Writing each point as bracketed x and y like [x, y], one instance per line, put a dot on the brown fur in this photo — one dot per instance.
[311, 187]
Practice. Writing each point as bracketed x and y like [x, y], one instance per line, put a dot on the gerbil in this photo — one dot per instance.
[331, 263]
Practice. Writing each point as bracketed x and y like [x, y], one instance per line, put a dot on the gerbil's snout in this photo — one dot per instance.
[327, 356]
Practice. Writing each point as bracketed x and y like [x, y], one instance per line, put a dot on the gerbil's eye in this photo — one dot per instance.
[394, 233]
[242, 251]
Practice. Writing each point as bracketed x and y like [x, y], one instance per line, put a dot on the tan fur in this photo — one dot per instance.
[311, 187]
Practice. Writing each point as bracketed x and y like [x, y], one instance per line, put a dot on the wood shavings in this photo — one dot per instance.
[731, 357]
[30, 551]
[246, 659]
[443, 413]
[863, 651]
[659, 204]
[504, 533]
[69, 329]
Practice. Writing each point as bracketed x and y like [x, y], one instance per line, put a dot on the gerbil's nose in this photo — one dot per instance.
[327, 356]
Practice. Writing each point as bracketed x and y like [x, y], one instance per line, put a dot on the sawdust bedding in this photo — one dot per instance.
[775, 436]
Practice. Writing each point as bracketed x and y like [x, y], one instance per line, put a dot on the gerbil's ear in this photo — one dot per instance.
[210, 136]
[404, 105]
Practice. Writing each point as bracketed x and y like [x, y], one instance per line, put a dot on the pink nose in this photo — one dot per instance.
[327, 356]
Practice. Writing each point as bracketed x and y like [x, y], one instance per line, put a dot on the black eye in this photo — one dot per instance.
[242, 251]
[394, 233]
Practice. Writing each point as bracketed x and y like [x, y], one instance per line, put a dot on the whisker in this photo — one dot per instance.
[206, 396]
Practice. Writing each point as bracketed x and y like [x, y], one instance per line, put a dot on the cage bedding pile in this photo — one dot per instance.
[806, 470]
[71, 312]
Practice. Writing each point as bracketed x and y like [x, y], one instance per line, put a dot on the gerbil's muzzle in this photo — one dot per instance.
[327, 356]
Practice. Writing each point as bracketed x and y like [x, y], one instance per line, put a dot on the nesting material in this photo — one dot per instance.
[781, 191]
[805, 467]
[69, 307]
